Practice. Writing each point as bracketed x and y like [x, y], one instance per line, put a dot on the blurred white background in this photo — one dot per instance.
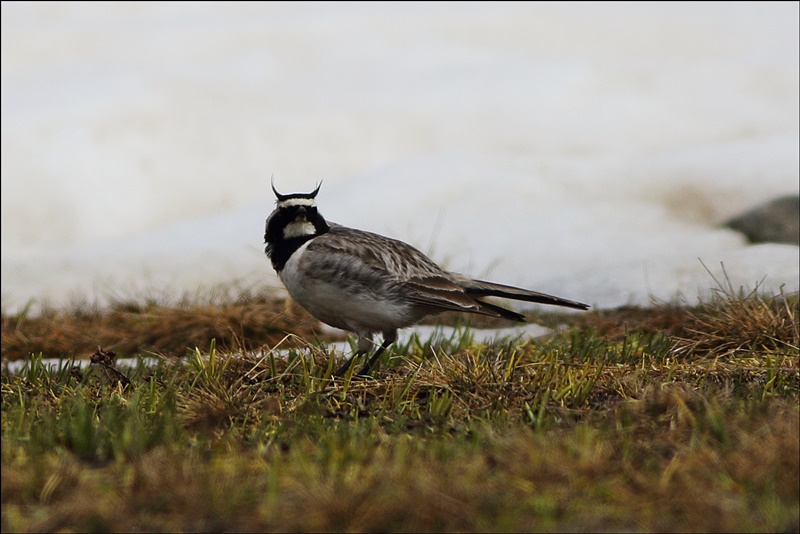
[589, 150]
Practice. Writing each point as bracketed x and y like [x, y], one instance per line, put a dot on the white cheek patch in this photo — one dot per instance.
[296, 202]
[298, 228]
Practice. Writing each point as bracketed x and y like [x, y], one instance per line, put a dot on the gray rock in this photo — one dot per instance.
[777, 221]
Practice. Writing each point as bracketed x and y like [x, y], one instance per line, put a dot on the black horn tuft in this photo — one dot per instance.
[281, 198]
[277, 195]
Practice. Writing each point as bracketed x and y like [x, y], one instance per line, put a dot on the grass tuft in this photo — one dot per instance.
[734, 324]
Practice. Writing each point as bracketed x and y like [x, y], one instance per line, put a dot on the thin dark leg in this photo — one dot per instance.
[341, 371]
[388, 339]
[367, 366]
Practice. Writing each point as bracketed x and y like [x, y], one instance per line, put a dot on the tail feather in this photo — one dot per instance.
[498, 311]
[481, 288]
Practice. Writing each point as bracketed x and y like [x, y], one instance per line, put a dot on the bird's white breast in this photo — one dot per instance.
[342, 305]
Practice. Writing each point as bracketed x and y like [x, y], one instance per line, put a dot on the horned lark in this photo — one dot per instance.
[367, 283]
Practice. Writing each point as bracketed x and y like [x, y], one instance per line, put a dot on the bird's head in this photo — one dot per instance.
[295, 218]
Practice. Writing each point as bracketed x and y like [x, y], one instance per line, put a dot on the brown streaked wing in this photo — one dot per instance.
[399, 261]
[441, 293]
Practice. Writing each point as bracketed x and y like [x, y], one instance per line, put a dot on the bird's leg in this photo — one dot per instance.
[341, 371]
[364, 344]
[388, 339]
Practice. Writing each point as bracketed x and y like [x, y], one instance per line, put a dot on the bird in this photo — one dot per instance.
[367, 283]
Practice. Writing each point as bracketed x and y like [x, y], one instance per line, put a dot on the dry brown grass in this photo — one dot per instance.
[246, 322]
[732, 324]
[616, 323]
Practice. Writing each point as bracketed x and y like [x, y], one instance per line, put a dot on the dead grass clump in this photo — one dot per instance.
[224, 390]
[737, 325]
[617, 323]
[130, 328]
